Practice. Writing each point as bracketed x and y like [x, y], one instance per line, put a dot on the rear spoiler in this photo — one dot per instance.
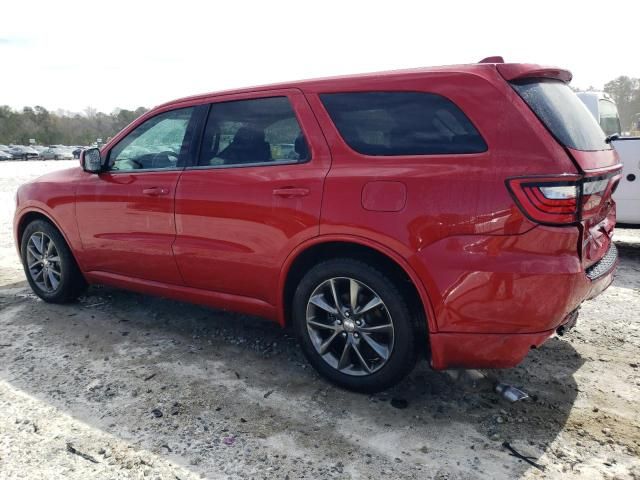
[520, 71]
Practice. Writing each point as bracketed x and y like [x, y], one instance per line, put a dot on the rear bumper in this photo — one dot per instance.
[483, 350]
[524, 311]
[605, 277]
[500, 350]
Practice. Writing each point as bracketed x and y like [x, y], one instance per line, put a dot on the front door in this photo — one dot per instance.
[254, 194]
[126, 214]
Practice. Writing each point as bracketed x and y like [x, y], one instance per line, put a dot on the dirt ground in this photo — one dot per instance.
[122, 385]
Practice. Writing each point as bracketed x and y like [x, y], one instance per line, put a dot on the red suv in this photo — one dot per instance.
[464, 212]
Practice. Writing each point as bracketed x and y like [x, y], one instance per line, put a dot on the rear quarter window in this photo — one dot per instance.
[402, 123]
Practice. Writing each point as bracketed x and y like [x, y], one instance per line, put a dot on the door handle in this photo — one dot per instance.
[155, 191]
[288, 192]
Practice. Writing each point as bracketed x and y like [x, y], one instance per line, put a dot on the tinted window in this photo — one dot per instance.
[258, 131]
[158, 143]
[609, 120]
[402, 123]
[563, 113]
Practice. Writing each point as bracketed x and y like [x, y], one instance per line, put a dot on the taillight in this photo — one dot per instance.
[593, 194]
[563, 200]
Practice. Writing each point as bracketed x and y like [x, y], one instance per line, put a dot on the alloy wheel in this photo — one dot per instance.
[349, 326]
[43, 262]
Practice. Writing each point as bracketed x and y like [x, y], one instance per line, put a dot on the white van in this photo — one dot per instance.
[627, 196]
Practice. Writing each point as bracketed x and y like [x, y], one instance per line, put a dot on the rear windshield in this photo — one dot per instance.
[563, 113]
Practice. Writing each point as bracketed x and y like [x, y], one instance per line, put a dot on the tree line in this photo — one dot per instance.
[49, 128]
[625, 91]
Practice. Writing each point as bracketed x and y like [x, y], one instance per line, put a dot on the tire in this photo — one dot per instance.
[363, 370]
[70, 282]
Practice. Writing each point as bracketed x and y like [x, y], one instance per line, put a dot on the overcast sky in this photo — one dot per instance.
[70, 55]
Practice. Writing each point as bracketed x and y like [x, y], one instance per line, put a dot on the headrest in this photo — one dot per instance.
[248, 135]
[301, 147]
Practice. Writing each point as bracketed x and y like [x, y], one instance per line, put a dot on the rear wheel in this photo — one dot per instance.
[49, 265]
[354, 325]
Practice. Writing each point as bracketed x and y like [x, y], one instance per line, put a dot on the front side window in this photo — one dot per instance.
[158, 143]
[262, 131]
[402, 123]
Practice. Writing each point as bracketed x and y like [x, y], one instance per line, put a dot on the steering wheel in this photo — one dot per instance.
[167, 154]
[125, 164]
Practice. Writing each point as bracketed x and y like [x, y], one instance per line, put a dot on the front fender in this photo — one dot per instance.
[55, 203]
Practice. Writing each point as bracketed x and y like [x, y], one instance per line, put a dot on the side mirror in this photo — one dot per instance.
[91, 160]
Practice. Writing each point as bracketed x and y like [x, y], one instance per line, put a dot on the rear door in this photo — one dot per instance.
[126, 214]
[253, 194]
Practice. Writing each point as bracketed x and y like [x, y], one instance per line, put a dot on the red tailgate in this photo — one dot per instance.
[598, 215]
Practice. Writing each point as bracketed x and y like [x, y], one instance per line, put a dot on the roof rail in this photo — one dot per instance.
[496, 59]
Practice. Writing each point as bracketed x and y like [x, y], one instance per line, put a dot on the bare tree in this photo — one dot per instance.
[625, 91]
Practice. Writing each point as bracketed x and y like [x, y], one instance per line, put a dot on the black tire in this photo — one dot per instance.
[72, 283]
[403, 354]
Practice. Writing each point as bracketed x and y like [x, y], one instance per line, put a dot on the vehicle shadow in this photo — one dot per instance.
[629, 250]
[223, 368]
[628, 272]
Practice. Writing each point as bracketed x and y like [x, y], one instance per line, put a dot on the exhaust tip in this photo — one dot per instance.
[510, 393]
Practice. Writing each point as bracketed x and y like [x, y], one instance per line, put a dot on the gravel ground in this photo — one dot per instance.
[122, 385]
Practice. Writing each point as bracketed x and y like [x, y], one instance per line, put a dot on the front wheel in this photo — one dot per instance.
[49, 265]
[354, 325]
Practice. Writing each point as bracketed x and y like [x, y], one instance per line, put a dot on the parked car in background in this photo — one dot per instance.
[39, 148]
[408, 221]
[56, 153]
[627, 195]
[635, 126]
[76, 151]
[6, 154]
[24, 153]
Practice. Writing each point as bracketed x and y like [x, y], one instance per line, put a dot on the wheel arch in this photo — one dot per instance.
[325, 247]
[29, 215]
[26, 217]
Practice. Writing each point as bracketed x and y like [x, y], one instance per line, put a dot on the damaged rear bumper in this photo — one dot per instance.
[506, 350]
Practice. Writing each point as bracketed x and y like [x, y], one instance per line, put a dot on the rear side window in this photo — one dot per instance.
[402, 123]
[563, 113]
[262, 131]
